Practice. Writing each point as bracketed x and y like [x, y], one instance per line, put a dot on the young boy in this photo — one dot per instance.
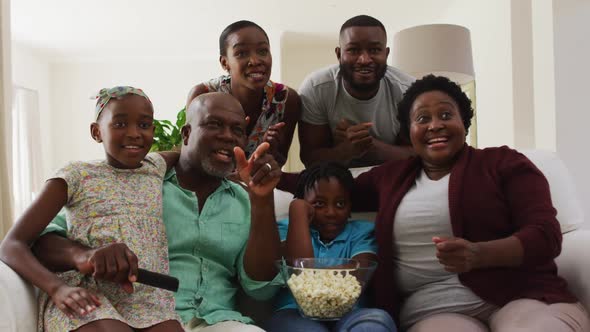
[318, 226]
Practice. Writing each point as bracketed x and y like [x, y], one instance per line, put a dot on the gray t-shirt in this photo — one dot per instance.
[326, 101]
[426, 287]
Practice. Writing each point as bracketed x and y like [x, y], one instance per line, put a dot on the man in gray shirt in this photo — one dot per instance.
[350, 109]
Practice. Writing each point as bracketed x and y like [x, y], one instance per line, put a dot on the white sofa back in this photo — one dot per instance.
[18, 302]
[563, 192]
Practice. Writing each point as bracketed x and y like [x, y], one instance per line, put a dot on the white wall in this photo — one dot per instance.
[572, 70]
[302, 54]
[6, 194]
[166, 81]
[490, 25]
[31, 70]
[544, 75]
[522, 74]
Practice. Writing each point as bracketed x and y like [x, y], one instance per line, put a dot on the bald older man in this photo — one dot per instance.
[216, 229]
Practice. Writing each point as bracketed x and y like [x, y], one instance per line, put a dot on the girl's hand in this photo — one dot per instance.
[456, 254]
[74, 301]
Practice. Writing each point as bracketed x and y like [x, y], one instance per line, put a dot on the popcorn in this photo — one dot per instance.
[325, 293]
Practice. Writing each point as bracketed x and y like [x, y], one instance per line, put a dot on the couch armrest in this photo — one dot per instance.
[573, 265]
[18, 302]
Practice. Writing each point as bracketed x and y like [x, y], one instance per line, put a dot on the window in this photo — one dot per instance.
[26, 148]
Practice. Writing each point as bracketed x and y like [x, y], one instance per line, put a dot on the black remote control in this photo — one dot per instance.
[159, 280]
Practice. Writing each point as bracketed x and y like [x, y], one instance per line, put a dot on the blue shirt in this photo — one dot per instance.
[356, 238]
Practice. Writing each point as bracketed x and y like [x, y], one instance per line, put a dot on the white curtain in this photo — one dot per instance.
[6, 216]
[26, 151]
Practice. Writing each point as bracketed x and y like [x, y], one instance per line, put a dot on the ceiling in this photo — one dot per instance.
[187, 28]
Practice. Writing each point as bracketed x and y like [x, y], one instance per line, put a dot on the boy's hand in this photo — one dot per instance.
[75, 301]
[303, 208]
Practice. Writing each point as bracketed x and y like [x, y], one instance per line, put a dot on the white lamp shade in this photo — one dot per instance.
[440, 49]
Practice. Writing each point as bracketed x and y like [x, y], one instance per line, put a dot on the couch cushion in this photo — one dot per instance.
[563, 191]
[282, 201]
[17, 302]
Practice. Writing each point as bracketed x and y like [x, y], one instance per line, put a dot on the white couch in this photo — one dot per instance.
[18, 310]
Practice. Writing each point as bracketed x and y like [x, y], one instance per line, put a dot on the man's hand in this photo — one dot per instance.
[456, 254]
[356, 138]
[113, 262]
[261, 172]
[339, 134]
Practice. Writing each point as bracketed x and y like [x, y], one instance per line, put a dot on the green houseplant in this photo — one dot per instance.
[167, 134]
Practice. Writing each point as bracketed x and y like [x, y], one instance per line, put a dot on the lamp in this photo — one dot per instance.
[440, 49]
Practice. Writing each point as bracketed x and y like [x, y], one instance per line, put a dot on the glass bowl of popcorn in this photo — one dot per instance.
[326, 288]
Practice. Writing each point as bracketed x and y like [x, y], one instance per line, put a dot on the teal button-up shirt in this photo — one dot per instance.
[206, 250]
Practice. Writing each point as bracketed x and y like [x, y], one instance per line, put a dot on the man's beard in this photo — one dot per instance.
[215, 171]
[347, 73]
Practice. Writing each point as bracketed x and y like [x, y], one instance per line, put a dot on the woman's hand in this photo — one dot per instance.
[74, 301]
[456, 254]
[273, 137]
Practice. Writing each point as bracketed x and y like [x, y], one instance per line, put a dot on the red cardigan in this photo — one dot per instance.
[493, 193]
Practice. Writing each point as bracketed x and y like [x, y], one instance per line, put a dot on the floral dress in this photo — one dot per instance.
[107, 205]
[272, 108]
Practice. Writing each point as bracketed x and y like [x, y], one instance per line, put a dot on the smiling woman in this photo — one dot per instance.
[468, 235]
[273, 109]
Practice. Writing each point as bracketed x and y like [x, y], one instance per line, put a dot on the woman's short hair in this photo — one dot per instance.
[233, 28]
[325, 170]
[433, 83]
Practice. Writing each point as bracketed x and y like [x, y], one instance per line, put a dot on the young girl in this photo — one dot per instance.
[318, 226]
[113, 200]
[273, 108]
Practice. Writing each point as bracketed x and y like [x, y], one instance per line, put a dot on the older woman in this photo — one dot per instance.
[273, 109]
[467, 237]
